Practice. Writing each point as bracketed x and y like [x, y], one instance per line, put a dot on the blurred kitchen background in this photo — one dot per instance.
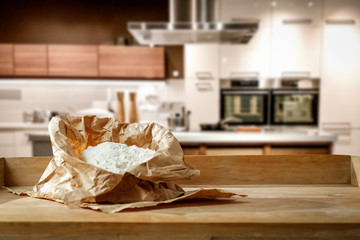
[226, 76]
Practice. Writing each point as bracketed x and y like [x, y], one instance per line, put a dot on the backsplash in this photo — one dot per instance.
[153, 97]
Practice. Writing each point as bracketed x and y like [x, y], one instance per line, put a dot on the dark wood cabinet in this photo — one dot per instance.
[72, 60]
[82, 61]
[6, 60]
[131, 62]
[30, 59]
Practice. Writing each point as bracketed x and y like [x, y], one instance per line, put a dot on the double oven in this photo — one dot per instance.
[283, 101]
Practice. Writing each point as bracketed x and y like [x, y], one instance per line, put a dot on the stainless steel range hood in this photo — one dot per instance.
[193, 21]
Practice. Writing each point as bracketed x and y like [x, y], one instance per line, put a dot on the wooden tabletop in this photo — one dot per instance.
[296, 210]
[322, 202]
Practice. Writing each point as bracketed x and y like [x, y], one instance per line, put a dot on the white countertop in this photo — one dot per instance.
[212, 136]
[241, 137]
[254, 137]
[23, 126]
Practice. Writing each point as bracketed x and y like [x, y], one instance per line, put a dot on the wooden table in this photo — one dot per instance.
[289, 197]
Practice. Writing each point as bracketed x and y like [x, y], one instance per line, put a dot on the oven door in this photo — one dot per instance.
[244, 107]
[294, 107]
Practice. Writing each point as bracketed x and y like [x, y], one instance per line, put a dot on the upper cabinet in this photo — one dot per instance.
[251, 59]
[72, 60]
[296, 51]
[6, 60]
[296, 39]
[131, 62]
[30, 59]
[340, 97]
[244, 60]
[201, 61]
[237, 10]
[342, 11]
[290, 12]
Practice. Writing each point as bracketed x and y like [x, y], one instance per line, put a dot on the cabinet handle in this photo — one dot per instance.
[295, 74]
[336, 125]
[204, 87]
[340, 21]
[244, 74]
[340, 128]
[204, 75]
[297, 21]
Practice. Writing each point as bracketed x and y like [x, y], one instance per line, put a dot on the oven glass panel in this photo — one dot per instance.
[295, 109]
[244, 108]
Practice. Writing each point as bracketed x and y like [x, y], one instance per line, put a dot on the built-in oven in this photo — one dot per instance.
[294, 102]
[244, 101]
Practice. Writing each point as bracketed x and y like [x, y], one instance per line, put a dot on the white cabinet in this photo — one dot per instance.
[340, 98]
[201, 61]
[348, 144]
[296, 41]
[15, 143]
[297, 12]
[7, 142]
[202, 92]
[296, 49]
[237, 10]
[338, 11]
[203, 100]
[238, 60]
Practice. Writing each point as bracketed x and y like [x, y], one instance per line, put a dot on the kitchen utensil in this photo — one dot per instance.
[120, 115]
[133, 116]
[177, 123]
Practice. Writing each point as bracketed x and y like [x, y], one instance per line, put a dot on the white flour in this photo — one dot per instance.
[116, 157]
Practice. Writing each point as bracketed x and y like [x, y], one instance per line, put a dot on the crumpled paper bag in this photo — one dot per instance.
[69, 180]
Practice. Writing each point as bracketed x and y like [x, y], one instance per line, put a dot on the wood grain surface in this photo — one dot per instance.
[309, 210]
[291, 169]
[6, 60]
[131, 62]
[73, 60]
[271, 211]
[30, 59]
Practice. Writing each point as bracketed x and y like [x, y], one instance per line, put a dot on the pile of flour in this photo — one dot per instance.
[116, 157]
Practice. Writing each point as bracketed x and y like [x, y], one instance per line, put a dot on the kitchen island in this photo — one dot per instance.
[256, 143]
[19, 140]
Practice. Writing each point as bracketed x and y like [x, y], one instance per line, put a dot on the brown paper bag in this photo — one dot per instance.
[69, 180]
[72, 181]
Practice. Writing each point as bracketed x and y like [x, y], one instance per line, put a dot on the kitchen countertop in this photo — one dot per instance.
[254, 137]
[236, 137]
[23, 126]
[288, 135]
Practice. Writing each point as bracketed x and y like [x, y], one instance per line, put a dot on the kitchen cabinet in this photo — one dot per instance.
[296, 51]
[342, 11]
[296, 40]
[202, 88]
[15, 143]
[7, 143]
[339, 96]
[201, 61]
[202, 99]
[6, 60]
[247, 60]
[131, 62]
[73, 60]
[274, 148]
[237, 10]
[30, 59]
[296, 12]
